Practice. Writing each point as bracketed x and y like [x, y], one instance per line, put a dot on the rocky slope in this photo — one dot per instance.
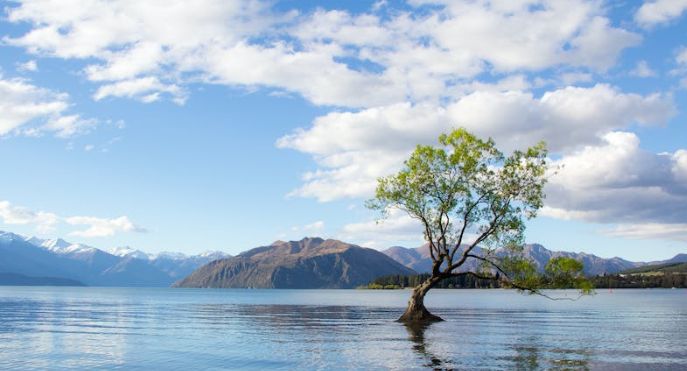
[306, 264]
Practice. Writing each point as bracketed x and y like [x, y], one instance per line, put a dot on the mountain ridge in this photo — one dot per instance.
[418, 258]
[309, 263]
[56, 258]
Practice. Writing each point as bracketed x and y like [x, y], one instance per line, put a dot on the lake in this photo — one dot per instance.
[183, 329]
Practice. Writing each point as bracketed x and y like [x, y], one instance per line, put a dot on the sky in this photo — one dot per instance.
[224, 125]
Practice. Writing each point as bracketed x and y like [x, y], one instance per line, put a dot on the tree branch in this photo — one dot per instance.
[509, 280]
[466, 216]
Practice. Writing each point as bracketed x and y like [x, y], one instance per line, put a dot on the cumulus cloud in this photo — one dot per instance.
[101, 227]
[383, 56]
[16, 215]
[45, 222]
[679, 168]
[353, 149]
[655, 12]
[29, 109]
[619, 183]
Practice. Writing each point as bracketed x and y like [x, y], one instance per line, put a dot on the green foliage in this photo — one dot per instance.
[564, 272]
[466, 183]
[462, 282]
[522, 273]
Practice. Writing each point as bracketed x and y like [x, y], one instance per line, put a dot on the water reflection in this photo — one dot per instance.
[526, 355]
[416, 334]
[532, 353]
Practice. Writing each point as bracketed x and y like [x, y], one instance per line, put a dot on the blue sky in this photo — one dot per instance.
[215, 125]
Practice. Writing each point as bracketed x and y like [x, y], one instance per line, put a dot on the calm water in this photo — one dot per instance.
[110, 328]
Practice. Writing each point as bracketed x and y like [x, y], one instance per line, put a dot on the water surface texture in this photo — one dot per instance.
[111, 328]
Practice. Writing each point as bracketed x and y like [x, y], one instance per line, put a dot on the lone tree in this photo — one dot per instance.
[471, 199]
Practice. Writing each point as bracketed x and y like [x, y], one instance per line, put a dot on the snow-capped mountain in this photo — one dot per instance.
[60, 246]
[124, 251]
[53, 245]
[121, 266]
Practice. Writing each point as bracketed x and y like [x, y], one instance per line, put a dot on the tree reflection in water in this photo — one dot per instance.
[417, 336]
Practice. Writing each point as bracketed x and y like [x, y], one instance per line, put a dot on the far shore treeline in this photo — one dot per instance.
[620, 281]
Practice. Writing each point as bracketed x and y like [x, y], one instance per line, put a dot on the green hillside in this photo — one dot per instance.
[658, 269]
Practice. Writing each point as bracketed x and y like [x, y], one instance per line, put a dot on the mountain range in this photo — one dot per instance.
[419, 259]
[308, 263]
[57, 261]
[305, 264]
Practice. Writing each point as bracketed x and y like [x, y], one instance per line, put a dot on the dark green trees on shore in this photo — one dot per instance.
[611, 281]
[466, 193]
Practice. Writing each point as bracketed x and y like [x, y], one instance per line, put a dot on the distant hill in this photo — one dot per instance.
[679, 258]
[14, 279]
[34, 257]
[659, 269]
[419, 259]
[306, 264]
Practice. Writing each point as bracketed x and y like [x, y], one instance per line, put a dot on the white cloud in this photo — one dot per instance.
[140, 46]
[398, 227]
[679, 168]
[676, 232]
[312, 228]
[642, 69]
[681, 57]
[353, 149]
[28, 66]
[571, 78]
[68, 126]
[147, 90]
[21, 102]
[655, 12]
[44, 221]
[101, 227]
[564, 118]
[31, 110]
[620, 183]
[141, 50]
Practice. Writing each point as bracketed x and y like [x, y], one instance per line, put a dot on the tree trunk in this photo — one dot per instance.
[416, 313]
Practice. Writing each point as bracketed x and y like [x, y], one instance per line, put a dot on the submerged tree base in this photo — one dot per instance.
[418, 314]
[419, 318]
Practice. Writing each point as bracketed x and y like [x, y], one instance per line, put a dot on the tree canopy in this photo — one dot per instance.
[470, 199]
